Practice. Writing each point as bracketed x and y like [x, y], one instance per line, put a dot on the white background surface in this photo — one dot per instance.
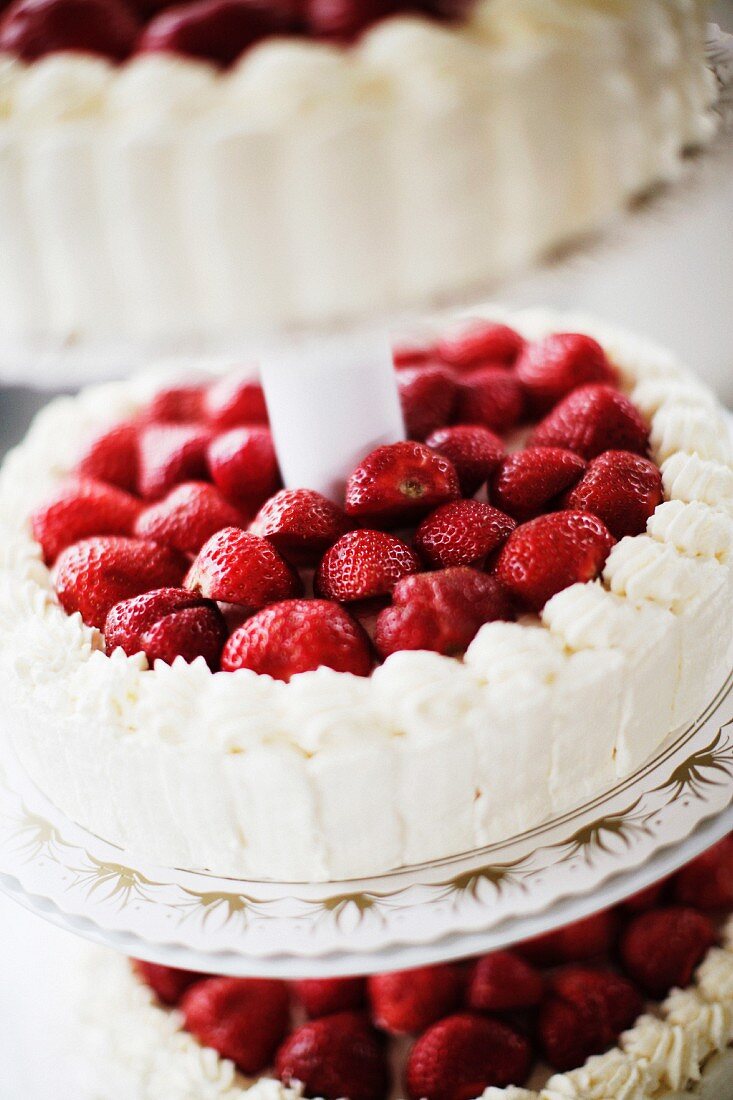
[37, 967]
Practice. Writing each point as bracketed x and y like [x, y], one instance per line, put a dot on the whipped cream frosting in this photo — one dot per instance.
[136, 1050]
[161, 200]
[249, 776]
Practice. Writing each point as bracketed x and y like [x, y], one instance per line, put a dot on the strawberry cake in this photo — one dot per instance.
[174, 170]
[510, 609]
[635, 1003]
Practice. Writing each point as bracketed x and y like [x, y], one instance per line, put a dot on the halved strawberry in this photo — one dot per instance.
[405, 1002]
[364, 564]
[79, 509]
[428, 396]
[491, 396]
[235, 566]
[93, 575]
[400, 482]
[441, 612]
[170, 454]
[553, 366]
[503, 981]
[593, 419]
[462, 1055]
[167, 623]
[234, 402]
[622, 489]
[301, 523]
[463, 532]
[550, 553]
[530, 482]
[334, 1057]
[243, 1019]
[188, 516]
[113, 457]
[243, 465]
[477, 342]
[474, 451]
[296, 636]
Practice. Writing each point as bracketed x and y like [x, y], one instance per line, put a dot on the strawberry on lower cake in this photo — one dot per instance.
[511, 609]
[634, 1003]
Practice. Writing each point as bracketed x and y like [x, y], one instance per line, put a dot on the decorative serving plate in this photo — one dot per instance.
[671, 809]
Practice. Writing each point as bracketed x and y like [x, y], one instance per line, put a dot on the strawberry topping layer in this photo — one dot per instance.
[216, 31]
[474, 1024]
[435, 535]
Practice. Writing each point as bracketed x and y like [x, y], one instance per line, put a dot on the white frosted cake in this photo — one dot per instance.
[150, 194]
[518, 665]
[495, 1027]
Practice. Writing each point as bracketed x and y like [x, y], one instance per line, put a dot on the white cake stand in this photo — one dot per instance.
[648, 825]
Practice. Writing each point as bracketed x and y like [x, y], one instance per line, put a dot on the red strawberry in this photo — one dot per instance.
[176, 405]
[660, 949]
[550, 368]
[235, 566]
[406, 1002]
[440, 611]
[187, 517]
[585, 1014]
[643, 900]
[400, 482]
[243, 1019]
[463, 532]
[528, 482]
[167, 984]
[428, 395]
[593, 419]
[343, 20]
[216, 30]
[81, 508]
[550, 553]
[584, 939]
[93, 575]
[33, 28]
[243, 464]
[491, 396]
[502, 982]
[566, 1034]
[480, 342]
[364, 564]
[301, 523]
[707, 882]
[622, 489]
[113, 457]
[413, 353]
[325, 996]
[474, 451]
[297, 636]
[234, 401]
[461, 1056]
[612, 1000]
[170, 454]
[337, 1056]
[167, 623]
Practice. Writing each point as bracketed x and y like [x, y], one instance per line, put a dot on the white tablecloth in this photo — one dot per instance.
[37, 966]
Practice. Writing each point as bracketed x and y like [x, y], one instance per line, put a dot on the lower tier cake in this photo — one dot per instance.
[634, 1003]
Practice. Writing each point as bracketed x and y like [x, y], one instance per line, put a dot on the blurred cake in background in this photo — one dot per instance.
[216, 169]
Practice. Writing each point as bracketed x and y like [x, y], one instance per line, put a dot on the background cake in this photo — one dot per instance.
[246, 774]
[159, 197]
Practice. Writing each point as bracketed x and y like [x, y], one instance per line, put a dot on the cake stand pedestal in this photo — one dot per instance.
[671, 809]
